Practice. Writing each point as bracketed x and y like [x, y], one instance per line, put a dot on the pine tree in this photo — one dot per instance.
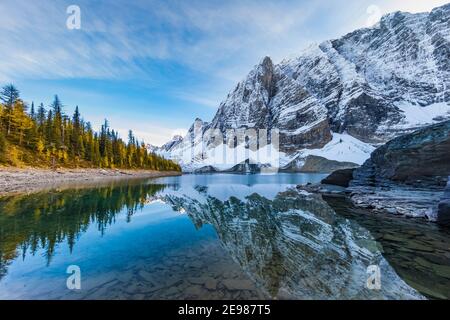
[20, 122]
[52, 138]
[48, 128]
[9, 95]
[40, 117]
[32, 112]
[56, 126]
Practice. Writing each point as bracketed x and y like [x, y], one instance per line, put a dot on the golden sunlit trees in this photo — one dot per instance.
[51, 138]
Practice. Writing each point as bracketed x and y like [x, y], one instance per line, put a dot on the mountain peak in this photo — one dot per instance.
[266, 77]
[445, 7]
[372, 84]
[267, 61]
[177, 137]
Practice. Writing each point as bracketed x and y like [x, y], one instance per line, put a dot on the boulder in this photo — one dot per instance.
[420, 158]
[443, 213]
[340, 178]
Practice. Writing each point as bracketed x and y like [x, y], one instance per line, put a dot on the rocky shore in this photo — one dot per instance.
[17, 180]
[409, 176]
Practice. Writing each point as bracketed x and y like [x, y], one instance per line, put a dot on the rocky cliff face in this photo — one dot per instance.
[420, 157]
[269, 99]
[373, 84]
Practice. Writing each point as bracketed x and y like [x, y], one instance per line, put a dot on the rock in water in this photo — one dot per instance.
[339, 178]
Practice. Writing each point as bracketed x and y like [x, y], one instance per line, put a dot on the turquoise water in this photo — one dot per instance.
[206, 237]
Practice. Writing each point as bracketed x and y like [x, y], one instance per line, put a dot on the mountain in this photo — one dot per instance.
[338, 99]
[165, 147]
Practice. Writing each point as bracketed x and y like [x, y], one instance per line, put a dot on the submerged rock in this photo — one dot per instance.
[443, 214]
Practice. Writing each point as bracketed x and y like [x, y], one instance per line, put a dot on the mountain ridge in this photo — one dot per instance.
[372, 84]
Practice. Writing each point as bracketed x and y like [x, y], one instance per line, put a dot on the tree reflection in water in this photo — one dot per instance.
[43, 220]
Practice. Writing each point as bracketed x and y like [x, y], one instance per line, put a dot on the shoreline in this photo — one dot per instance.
[15, 181]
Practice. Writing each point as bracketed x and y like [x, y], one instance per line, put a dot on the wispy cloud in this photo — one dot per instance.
[212, 36]
[148, 41]
[116, 38]
[201, 100]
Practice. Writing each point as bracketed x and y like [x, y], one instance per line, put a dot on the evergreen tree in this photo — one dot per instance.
[51, 138]
[32, 112]
[57, 120]
[9, 95]
[40, 117]
[48, 127]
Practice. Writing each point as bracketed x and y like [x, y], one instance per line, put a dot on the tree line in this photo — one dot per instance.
[47, 137]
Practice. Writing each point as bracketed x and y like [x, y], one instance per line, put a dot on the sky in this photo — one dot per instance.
[155, 66]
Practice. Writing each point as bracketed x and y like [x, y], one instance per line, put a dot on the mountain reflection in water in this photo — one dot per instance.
[254, 237]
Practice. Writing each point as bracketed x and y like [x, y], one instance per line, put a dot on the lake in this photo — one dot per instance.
[218, 236]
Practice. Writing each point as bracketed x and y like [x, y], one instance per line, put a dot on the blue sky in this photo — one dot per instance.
[154, 66]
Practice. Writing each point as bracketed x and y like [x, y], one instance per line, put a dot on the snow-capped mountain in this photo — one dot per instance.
[167, 146]
[338, 98]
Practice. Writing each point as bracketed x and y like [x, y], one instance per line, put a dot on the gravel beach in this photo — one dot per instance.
[15, 180]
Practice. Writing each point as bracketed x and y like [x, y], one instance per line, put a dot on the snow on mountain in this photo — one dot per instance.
[417, 116]
[151, 148]
[169, 145]
[165, 147]
[343, 148]
[336, 99]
